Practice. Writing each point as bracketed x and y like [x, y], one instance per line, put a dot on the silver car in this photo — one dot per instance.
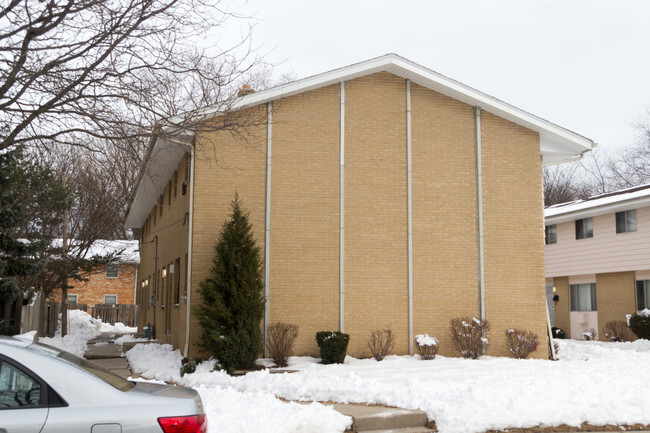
[43, 389]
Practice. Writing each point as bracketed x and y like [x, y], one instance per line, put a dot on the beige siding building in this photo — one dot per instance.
[382, 195]
[597, 258]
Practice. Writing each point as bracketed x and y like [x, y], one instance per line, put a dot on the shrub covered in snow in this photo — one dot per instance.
[381, 343]
[558, 333]
[189, 367]
[589, 334]
[427, 346]
[280, 342]
[617, 330]
[521, 343]
[469, 336]
[333, 346]
[640, 324]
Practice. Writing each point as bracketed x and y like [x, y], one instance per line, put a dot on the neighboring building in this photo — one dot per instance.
[597, 258]
[382, 194]
[113, 283]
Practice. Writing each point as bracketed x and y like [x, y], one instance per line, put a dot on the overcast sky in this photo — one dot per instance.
[582, 64]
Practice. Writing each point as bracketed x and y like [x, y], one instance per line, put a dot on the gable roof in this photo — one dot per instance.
[557, 144]
[617, 201]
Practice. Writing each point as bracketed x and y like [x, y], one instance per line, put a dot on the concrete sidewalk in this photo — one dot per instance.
[105, 353]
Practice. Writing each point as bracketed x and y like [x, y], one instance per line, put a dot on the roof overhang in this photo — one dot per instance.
[597, 206]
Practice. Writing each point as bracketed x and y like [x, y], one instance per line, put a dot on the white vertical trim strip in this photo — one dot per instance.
[190, 231]
[479, 212]
[342, 209]
[267, 224]
[409, 188]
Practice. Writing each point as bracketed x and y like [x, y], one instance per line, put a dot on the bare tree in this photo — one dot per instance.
[79, 72]
[633, 166]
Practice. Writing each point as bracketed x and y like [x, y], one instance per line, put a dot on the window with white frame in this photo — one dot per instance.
[112, 270]
[585, 228]
[626, 221]
[642, 294]
[583, 297]
[110, 299]
[551, 235]
[72, 299]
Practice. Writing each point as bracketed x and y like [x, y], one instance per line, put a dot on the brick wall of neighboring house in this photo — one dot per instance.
[305, 200]
[93, 291]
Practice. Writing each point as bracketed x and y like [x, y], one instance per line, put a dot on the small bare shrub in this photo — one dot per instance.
[280, 342]
[381, 343]
[617, 330]
[469, 336]
[426, 346]
[521, 343]
[589, 334]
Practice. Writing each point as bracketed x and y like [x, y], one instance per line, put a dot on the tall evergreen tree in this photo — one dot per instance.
[233, 300]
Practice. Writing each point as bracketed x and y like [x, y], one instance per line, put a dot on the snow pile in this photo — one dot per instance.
[82, 327]
[593, 381]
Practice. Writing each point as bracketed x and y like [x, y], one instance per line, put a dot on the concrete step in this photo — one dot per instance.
[384, 419]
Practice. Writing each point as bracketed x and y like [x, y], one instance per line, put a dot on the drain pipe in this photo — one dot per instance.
[267, 225]
[480, 240]
[188, 282]
[341, 210]
[409, 210]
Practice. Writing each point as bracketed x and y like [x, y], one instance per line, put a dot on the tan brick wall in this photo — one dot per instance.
[375, 212]
[304, 275]
[615, 294]
[444, 214]
[92, 291]
[514, 248]
[563, 305]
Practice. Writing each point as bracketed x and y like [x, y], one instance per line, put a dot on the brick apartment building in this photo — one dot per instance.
[382, 194]
[598, 259]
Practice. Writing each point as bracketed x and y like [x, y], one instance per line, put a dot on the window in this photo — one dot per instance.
[175, 183]
[110, 299]
[17, 389]
[112, 270]
[583, 297]
[585, 228]
[642, 294]
[177, 282]
[626, 221]
[161, 200]
[551, 234]
[72, 299]
[169, 193]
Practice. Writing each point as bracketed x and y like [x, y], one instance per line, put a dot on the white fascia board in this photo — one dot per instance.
[593, 211]
[572, 143]
[158, 168]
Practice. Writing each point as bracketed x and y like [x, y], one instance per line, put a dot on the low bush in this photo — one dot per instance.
[589, 334]
[426, 346]
[189, 367]
[521, 343]
[617, 330]
[7, 329]
[333, 345]
[558, 333]
[640, 325]
[469, 336]
[381, 343]
[280, 342]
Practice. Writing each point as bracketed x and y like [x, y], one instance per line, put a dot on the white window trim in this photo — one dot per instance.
[117, 266]
[110, 302]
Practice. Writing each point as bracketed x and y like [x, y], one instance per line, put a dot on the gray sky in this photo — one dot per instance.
[582, 64]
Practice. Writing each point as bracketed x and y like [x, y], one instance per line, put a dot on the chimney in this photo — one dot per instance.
[245, 90]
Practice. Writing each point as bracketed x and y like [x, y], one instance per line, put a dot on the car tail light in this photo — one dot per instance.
[184, 424]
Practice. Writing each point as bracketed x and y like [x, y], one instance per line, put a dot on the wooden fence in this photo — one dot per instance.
[113, 313]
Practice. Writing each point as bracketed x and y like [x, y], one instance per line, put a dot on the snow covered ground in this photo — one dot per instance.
[600, 383]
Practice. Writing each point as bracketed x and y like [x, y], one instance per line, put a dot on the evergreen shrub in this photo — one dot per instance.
[333, 346]
[640, 325]
[558, 333]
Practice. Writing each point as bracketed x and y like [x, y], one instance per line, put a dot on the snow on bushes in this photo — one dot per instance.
[427, 346]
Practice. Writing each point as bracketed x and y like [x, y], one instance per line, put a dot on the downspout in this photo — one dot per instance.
[188, 282]
[480, 240]
[409, 210]
[267, 225]
[341, 210]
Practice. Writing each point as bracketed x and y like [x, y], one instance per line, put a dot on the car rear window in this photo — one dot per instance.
[107, 376]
